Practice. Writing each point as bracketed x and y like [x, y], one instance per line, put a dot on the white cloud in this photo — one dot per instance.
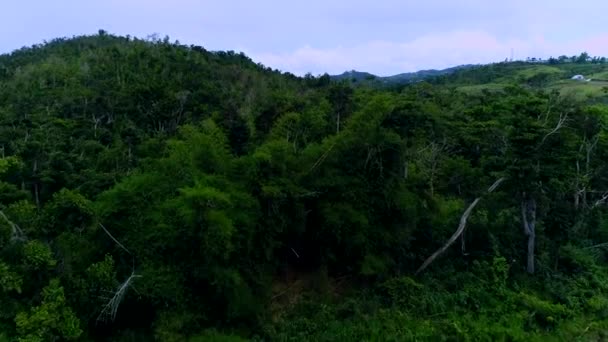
[428, 51]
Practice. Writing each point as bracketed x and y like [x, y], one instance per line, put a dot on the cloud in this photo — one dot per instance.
[438, 50]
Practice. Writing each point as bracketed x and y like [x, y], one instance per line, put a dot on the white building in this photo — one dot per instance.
[578, 78]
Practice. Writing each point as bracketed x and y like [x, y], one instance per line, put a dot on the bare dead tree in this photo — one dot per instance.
[321, 159]
[96, 121]
[110, 309]
[528, 215]
[182, 98]
[552, 104]
[430, 157]
[563, 117]
[578, 188]
[16, 232]
[589, 147]
[459, 231]
[505, 144]
[114, 239]
[35, 172]
[602, 200]
[581, 182]
[599, 245]
[463, 248]
[338, 122]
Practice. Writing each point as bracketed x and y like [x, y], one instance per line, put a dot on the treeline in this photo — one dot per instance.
[535, 73]
[157, 191]
[583, 58]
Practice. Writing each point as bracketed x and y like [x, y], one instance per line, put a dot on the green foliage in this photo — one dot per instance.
[243, 203]
[68, 210]
[38, 256]
[543, 312]
[215, 336]
[24, 214]
[50, 321]
[102, 274]
[10, 281]
[8, 163]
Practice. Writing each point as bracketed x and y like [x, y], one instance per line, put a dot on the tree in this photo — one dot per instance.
[52, 320]
[583, 58]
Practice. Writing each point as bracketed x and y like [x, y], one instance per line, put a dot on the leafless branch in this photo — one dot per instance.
[527, 230]
[560, 124]
[114, 239]
[109, 310]
[458, 232]
[321, 159]
[528, 217]
[430, 157]
[599, 245]
[602, 200]
[16, 232]
[589, 147]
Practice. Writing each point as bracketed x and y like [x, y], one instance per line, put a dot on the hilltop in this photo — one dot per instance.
[552, 74]
[357, 77]
[534, 75]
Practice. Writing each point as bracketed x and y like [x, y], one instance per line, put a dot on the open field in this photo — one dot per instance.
[581, 89]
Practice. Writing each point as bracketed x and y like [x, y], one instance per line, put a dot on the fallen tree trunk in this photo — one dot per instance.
[458, 232]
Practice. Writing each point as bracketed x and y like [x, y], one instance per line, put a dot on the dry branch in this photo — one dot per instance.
[114, 239]
[109, 310]
[599, 245]
[458, 232]
[528, 217]
[601, 200]
[560, 124]
[321, 159]
[17, 233]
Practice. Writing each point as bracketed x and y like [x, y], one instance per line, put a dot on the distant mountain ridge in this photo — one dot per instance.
[408, 77]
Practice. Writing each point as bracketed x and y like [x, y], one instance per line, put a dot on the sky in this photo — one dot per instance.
[384, 37]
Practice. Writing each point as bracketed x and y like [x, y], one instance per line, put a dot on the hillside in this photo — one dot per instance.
[533, 75]
[354, 76]
[156, 191]
[358, 78]
[474, 79]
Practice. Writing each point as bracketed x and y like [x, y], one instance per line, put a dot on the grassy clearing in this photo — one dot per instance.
[539, 69]
[581, 90]
[600, 75]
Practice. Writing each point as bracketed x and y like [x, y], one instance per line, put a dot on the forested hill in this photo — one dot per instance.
[365, 78]
[551, 75]
[554, 73]
[155, 191]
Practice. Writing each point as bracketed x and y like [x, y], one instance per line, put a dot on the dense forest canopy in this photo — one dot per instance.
[157, 191]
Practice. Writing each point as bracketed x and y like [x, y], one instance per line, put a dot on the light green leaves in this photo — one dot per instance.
[9, 280]
[51, 320]
[38, 256]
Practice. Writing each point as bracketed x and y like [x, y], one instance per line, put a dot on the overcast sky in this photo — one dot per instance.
[380, 36]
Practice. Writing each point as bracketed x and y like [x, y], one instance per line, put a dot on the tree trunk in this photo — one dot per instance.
[36, 196]
[35, 174]
[531, 242]
[577, 191]
[338, 123]
[528, 216]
